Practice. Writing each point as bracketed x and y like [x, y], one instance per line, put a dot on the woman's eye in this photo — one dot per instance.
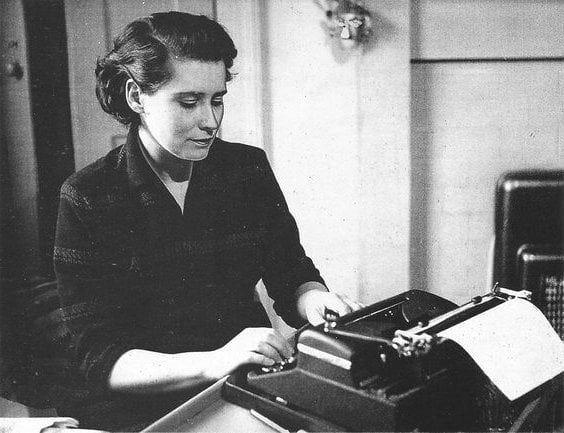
[217, 102]
[188, 104]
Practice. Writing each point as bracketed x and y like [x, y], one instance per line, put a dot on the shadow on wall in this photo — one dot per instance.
[420, 183]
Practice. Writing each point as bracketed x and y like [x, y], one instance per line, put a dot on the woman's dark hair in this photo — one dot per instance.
[143, 50]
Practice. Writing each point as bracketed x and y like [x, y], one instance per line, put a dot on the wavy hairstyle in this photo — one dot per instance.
[143, 50]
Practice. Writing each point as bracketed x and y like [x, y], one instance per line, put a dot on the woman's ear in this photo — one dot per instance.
[133, 96]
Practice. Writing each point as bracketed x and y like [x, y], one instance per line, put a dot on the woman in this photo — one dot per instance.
[160, 243]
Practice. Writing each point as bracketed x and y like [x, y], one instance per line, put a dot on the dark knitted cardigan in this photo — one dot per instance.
[133, 271]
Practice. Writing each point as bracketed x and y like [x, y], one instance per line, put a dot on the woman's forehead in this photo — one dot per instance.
[196, 76]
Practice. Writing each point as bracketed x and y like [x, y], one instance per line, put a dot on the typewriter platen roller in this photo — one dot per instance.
[381, 368]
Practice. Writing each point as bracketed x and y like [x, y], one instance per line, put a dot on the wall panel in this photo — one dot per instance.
[246, 102]
[467, 29]
[471, 123]
[339, 131]
[19, 163]
[475, 116]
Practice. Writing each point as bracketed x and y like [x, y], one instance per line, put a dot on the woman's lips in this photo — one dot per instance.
[203, 142]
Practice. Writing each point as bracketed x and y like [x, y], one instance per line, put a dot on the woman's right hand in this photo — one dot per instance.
[262, 346]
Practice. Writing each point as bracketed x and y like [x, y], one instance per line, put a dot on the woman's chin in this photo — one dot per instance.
[195, 154]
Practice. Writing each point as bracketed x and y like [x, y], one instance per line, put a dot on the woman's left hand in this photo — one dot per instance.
[312, 305]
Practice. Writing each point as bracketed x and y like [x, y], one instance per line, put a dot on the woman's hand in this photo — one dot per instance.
[262, 346]
[312, 305]
[143, 371]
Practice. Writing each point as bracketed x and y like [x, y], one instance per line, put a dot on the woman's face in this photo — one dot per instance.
[184, 115]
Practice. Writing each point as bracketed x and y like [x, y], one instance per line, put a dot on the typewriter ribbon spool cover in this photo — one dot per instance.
[514, 345]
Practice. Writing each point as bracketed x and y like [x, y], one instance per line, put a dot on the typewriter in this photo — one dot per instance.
[384, 368]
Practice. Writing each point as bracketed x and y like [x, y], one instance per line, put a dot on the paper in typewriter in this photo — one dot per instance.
[513, 344]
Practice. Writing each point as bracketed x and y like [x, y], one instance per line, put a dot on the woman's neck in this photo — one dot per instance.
[168, 166]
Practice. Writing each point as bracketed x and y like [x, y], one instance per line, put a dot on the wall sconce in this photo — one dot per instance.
[346, 20]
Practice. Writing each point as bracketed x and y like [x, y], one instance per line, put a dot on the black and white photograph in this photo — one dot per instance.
[281, 216]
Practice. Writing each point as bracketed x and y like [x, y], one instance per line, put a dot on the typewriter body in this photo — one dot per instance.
[381, 368]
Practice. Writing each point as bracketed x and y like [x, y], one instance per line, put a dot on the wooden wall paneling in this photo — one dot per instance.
[311, 130]
[122, 12]
[48, 71]
[475, 116]
[246, 114]
[471, 123]
[87, 39]
[384, 153]
[338, 124]
[483, 29]
[19, 207]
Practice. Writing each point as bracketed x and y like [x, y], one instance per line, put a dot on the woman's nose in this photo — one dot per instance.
[209, 120]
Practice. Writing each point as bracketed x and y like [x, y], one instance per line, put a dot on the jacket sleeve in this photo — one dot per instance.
[286, 264]
[94, 311]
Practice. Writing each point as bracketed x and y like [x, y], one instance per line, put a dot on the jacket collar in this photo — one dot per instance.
[139, 173]
[143, 180]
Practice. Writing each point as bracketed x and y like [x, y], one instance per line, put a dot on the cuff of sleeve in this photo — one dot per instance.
[289, 311]
[309, 286]
[99, 365]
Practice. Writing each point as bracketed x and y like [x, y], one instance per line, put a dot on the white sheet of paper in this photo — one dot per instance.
[514, 344]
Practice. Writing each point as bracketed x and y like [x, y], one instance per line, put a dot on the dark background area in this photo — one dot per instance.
[47, 72]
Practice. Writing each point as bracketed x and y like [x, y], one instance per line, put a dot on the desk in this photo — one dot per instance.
[209, 412]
